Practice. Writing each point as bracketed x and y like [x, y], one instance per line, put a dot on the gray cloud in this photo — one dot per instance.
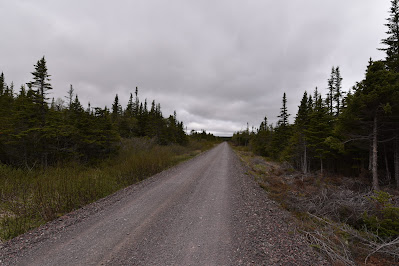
[219, 64]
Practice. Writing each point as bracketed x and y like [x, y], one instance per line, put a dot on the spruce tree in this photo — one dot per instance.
[372, 113]
[318, 129]
[283, 112]
[2, 83]
[282, 132]
[129, 107]
[300, 137]
[41, 85]
[392, 62]
[330, 95]
[10, 89]
[41, 81]
[69, 96]
[116, 108]
[76, 106]
[136, 106]
[337, 95]
[392, 41]
[261, 141]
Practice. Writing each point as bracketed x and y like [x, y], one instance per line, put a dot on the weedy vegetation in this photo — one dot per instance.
[33, 197]
[340, 216]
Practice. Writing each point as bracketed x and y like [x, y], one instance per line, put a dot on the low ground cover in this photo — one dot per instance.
[341, 216]
[30, 198]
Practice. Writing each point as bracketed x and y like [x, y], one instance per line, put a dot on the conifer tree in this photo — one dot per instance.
[41, 84]
[392, 62]
[69, 96]
[282, 132]
[302, 120]
[283, 112]
[10, 89]
[261, 141]
[136, 106]
[337, 95]
[318, 129]
[2, 83]
[76, 106]
[116, 108]
[392, 41]
[158, 110]
[316, 95]
[129, 107]
[371, 112]
[41, 81]
[330, 95]
[263, 124]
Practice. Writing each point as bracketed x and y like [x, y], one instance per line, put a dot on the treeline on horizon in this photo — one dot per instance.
[353, 133]
[36, 132]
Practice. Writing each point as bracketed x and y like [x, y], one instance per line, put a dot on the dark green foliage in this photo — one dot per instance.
[35, 133]
[2, 83]
[371, 118]
[337, 96]
[282, 133]
[299, 147]
[334, 95]
[116, 109]
[330, 95]
[354, 133]
[283, 113]
[202, 136]
[384, 220]
[334, 140]
[261, 142]
[41, 82]
[318, 130]
[242, 138]
[347, 134]
[392, 41]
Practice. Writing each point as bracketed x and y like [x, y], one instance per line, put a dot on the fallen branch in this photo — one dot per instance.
[394, 252]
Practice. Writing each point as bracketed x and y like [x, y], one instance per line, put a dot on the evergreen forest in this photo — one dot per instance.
[354, 132]
[334, 165]
[38, 132]
[57, 156]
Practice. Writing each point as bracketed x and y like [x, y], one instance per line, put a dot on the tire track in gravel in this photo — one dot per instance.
[205, 211]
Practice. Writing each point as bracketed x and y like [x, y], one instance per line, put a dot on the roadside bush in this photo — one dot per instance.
[384, 219]
[340, 216]
[32, 197]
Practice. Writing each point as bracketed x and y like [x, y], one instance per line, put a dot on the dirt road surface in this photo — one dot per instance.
[205, 211]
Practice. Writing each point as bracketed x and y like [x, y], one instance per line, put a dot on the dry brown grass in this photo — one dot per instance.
[329, 211]
[29, 198]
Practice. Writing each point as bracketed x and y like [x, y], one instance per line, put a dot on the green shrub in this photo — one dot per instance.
[384, 221]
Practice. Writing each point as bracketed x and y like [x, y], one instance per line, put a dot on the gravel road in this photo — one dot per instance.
[205, 211]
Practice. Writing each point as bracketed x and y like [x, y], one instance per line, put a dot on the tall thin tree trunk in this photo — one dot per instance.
[370, 156]
[305, 160]
[321, 166]
[375, 154]
[26, 157]
[396, 161]
[387, 172]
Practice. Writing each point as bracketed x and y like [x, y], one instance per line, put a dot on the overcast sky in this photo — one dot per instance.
[218, 63]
